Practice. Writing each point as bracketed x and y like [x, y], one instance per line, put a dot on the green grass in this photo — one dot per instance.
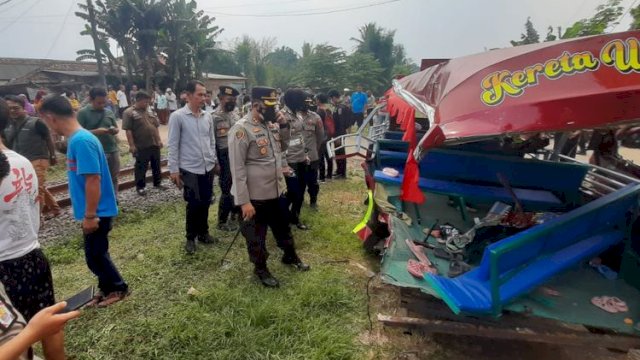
[313, 315]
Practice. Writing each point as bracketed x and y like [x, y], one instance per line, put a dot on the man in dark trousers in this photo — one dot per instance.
[141, 125]
[342, 119]
[192, 162]
[224, 117]
[303, 155]
[92, 196]
[257, 169]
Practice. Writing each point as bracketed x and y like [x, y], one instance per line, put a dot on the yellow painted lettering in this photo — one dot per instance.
[519, 79]
[584, 61]
[564, 62]
[496, 86]
[622, 55]
[552, 69]
[532, 73]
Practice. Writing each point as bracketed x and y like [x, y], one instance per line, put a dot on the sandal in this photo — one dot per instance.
[97, 298]
[113, 298]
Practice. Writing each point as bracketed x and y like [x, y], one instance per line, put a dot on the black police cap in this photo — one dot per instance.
[228, 90]
[264, 93]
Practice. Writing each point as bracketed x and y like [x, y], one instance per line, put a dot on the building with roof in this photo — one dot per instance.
[27, 76]
[213, 81]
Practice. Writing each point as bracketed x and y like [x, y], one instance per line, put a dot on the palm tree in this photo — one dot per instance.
[379, 42]
[114, 20]
[148, 18]
[188, 37]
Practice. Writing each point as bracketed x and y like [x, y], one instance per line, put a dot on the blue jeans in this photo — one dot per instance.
[96, 252]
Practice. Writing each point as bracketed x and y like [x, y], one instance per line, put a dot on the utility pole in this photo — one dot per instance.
[96, 44]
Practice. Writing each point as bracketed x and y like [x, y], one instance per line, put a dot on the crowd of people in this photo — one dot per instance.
[267, 148]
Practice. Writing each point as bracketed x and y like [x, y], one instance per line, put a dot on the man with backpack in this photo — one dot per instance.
[326, 163]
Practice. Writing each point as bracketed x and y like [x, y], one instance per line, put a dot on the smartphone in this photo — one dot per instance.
[79, 300]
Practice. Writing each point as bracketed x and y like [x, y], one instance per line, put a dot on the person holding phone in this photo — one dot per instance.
[101, 121]
[92, 196]
[17, 336]
[24, 268]
[256, 145]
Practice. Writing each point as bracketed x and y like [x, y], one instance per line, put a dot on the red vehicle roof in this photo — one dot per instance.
[554, 86]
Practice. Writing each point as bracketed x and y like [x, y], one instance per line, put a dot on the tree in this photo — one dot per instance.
[530, 36]
[635, 13]
[606, 15]
[148, 19]
[281, 64]
[188, 38]
[323, 68]
[363, 69]
[114, 20]
[379, 42]
[550, 36]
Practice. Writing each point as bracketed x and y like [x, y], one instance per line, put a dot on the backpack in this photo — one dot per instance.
[329, 124]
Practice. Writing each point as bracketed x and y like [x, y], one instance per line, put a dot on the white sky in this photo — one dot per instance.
[427, 28]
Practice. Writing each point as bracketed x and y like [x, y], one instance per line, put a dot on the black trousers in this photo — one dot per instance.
[273, 214]
[198, 193]
[358, 118]
[306, 178]
[225, 206]
[326, 163]
[96, 252]
[341, 164]
[143, 158]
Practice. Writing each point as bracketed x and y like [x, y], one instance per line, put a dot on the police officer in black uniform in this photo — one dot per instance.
[224, 117]
[256, 145]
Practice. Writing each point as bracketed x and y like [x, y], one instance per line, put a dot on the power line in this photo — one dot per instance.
[625, 14]
[308, 13]
[64, 22]
[21, 15]
[259, 4]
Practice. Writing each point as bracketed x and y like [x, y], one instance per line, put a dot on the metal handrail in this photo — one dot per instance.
[360, 138]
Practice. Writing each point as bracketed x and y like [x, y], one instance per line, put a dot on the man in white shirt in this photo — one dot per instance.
[123, 104]
[24, 269]
[172, 100]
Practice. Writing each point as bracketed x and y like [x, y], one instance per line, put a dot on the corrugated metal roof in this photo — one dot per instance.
[73, 73]
[222, 77]
[14, 71]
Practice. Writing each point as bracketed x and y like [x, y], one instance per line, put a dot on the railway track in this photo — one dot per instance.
[61, 191]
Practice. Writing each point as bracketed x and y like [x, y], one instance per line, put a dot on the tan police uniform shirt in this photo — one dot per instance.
[255, 155]
[296, 151]
[313, 134]
[223, 121]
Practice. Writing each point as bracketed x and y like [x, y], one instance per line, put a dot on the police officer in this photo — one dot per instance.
[256, 143]
[302, 156]
[224, 117]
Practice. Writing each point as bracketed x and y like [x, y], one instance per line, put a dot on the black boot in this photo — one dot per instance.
[292, 259]
[190, 246]
[207, 239]
[265, 277]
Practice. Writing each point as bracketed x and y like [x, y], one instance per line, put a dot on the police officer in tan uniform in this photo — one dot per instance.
[224, 117]
[256, 143]
[307, 133]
